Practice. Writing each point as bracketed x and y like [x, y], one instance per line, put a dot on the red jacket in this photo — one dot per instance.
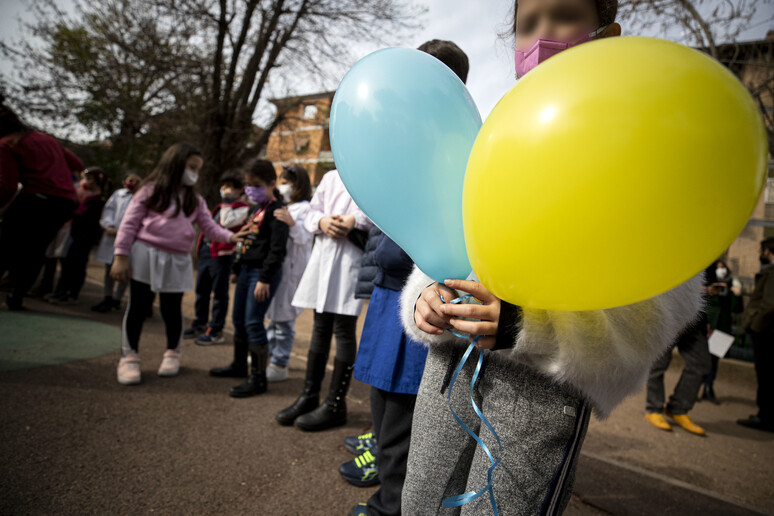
[219, 248]
[39, 163]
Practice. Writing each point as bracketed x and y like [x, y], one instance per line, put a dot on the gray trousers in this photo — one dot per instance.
[694, 349]
[541, 426]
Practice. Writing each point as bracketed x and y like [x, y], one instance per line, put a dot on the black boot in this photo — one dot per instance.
[256, 382]
[310, 396]
[709, 391]
[333, 412]
[237, 368]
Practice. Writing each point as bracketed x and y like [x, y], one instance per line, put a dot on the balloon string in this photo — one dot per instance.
[465, 498]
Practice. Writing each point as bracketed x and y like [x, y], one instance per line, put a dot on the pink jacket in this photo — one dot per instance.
[162, 230]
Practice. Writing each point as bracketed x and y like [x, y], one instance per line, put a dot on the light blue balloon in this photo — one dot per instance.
[402, 126]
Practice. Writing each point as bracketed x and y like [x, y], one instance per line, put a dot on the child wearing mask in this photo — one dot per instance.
[84, 235]
[296, 190]
[258, 270]
[551, 368]
[214, 261]
[153, 252]
[112, 214]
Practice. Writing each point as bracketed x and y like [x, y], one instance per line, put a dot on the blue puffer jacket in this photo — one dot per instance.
[368, 267]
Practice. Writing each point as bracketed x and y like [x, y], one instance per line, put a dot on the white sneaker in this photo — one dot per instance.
[129, 369]
[170, 364]
[275, 373]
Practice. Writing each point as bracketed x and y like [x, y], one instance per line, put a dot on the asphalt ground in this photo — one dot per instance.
[74, 441]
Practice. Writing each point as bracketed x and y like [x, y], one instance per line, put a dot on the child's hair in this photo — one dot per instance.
[10, 122]
[606, 12]
[234, 177]
[167, 179]
[768, 244]
[131, 172]
[302, 187]
[102, 180]
[449, 54]
[263, 170]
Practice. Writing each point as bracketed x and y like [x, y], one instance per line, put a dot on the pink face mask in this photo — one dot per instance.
[542, 49]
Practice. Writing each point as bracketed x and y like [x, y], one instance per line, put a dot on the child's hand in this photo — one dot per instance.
[283, 215]
[261, 292]
[427, 311]
[240, 235]
[119, 271]
[331, 226]
[233, 278]
[346, 223]
[112, 231]
[488, 313]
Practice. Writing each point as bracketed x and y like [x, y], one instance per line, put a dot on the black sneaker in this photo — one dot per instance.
[756, 423]
[194, 331]
[361, 443]
[361, 471]
[103, 306]
[360, 509]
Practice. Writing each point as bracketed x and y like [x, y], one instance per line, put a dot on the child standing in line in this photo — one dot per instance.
[296, 190]
[214, 261]
[153, 252]
[258, 270]
[390, 361]
[112, 214]
[84, 235]
[554, 367]
[328, 286]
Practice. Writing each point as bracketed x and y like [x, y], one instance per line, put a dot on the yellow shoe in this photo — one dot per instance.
[685, 421]
[657, 420]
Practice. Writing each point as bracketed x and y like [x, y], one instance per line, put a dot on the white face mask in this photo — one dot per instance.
[721, 273]
[285, 190]
[190, 177]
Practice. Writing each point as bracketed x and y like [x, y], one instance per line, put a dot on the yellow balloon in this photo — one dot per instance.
[611, 173]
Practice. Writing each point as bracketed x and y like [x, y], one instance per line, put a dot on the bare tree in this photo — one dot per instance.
[110, 69]
[132, 69]
[714, 26]
[702, 23]
[253, 39]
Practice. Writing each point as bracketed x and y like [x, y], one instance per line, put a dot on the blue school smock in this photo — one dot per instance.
[387, 358]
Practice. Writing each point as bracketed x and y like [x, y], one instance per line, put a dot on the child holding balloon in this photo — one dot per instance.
[551, 368]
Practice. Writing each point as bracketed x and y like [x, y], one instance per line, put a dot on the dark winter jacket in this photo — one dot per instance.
[368, 268]
[266, 244]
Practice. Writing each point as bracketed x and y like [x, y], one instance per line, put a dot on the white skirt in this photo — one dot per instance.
[164, 272]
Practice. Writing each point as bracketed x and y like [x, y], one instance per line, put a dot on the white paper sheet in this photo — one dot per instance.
[719, 343]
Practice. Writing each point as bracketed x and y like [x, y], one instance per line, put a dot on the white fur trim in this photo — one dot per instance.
[604, 354]
[414, 286]
[607, 354]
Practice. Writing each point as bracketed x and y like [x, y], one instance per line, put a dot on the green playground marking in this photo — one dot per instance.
[34, 340]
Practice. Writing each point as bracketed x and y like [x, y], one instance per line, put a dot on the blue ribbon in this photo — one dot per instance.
[462, 499]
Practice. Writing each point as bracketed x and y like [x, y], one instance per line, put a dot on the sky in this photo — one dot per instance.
[474, 25]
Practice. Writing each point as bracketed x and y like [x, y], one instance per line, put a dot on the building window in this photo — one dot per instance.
[310, 112]
[770, 191]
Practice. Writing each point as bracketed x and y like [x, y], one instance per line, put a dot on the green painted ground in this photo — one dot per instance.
[34, 340]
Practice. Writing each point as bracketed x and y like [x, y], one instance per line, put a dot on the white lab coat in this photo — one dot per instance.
[112, 213]
[328, 283]
[299, 247]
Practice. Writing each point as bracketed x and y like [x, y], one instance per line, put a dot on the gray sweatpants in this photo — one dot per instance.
[694, 348]
[541, 426]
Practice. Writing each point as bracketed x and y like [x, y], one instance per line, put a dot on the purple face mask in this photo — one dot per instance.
[257, 194]
[542, 49]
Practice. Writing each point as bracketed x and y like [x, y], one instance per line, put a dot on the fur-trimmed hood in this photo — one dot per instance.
[604, 354]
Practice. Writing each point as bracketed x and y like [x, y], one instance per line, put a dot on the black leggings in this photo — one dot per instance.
[344, 327]
[140, 304]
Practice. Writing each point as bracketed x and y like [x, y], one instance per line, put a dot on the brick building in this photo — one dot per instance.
[302, 136]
